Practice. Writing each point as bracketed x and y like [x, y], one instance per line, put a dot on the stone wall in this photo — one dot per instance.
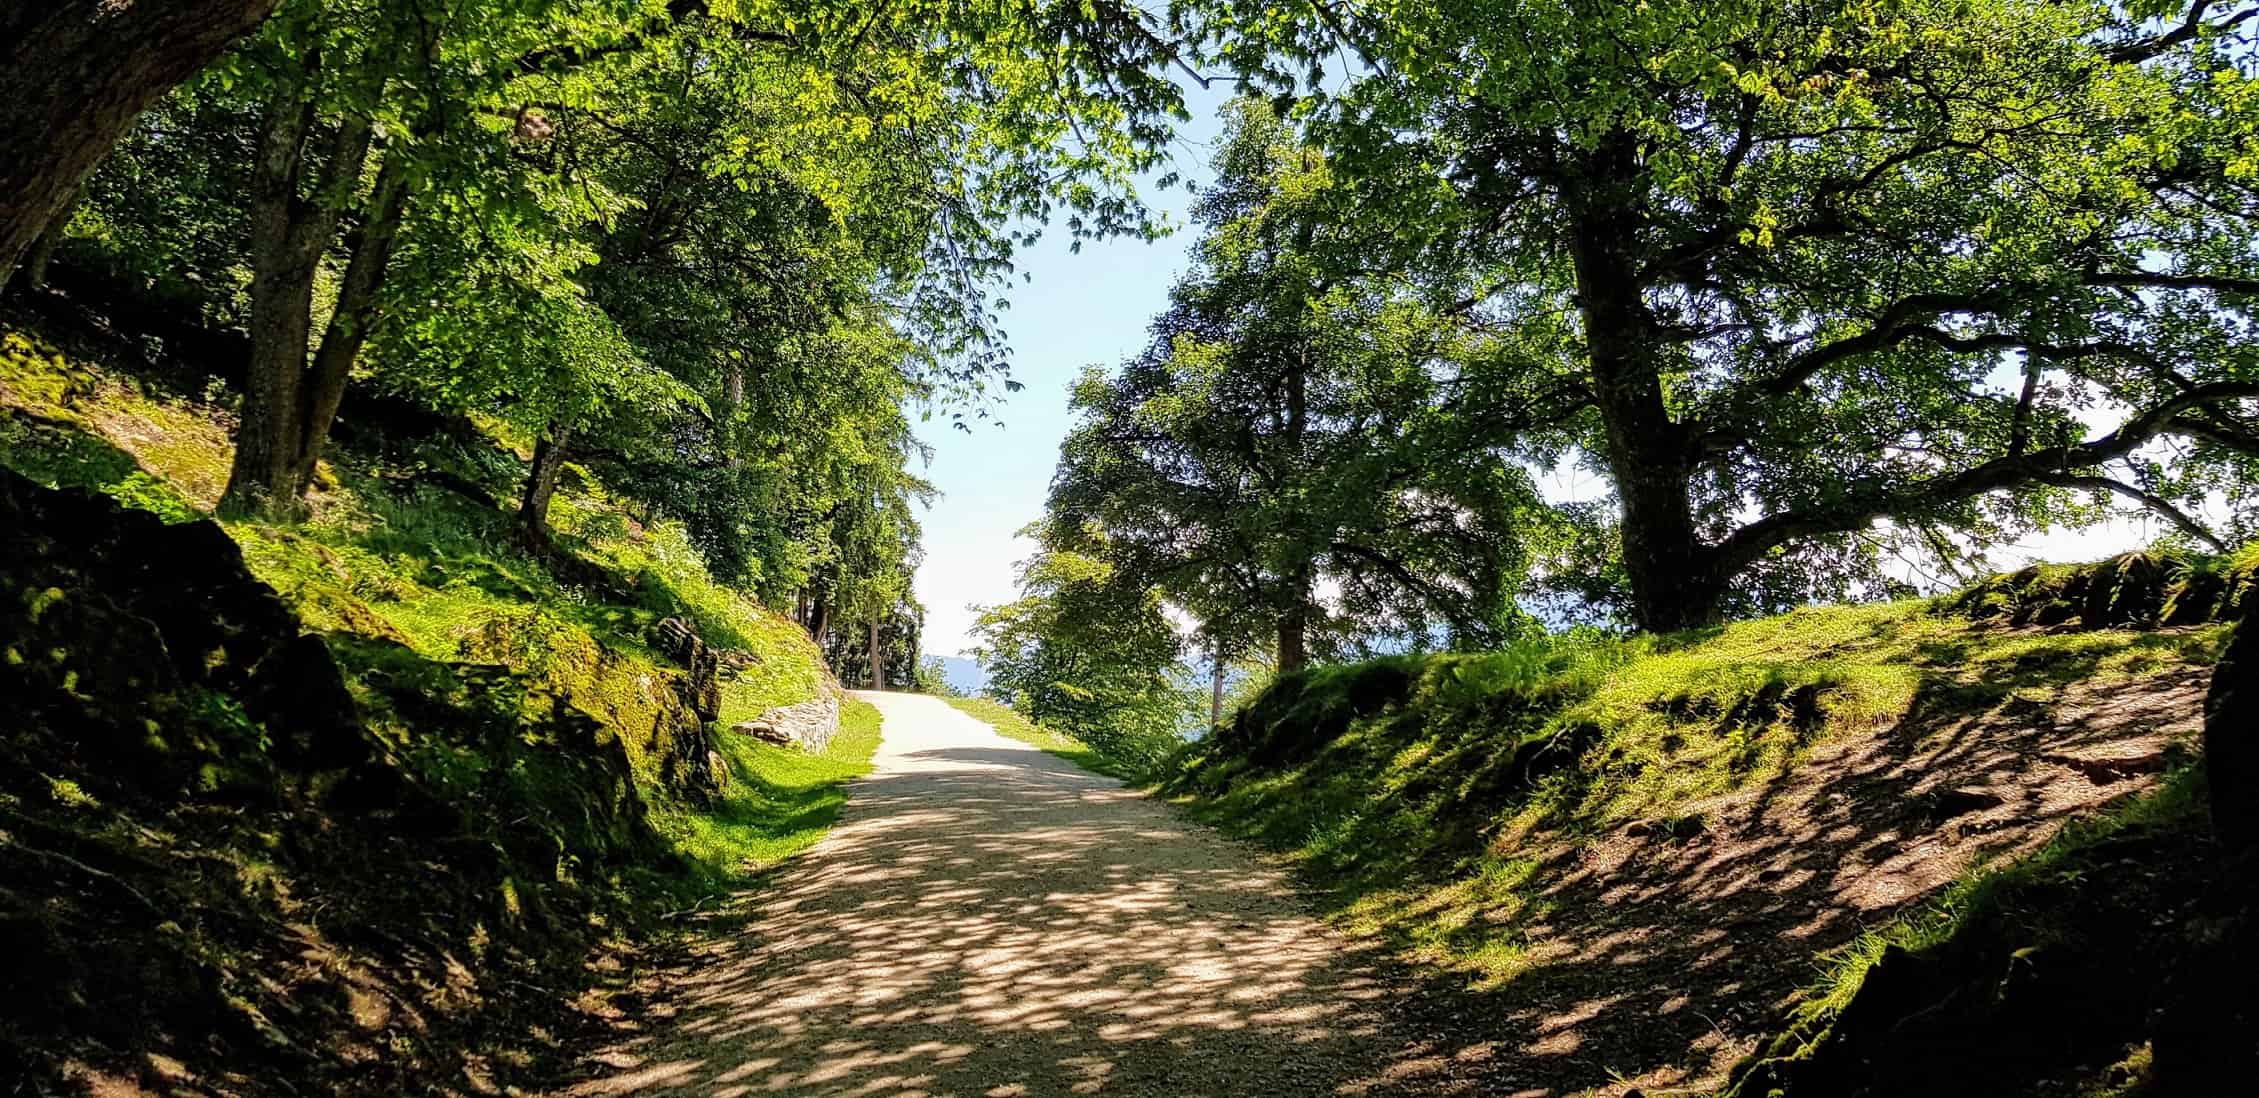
[809, 724]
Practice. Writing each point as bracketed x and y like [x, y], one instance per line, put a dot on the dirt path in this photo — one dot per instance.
[988, 919]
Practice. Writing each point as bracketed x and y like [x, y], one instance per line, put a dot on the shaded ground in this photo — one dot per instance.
[988, 919]
[1675, 943]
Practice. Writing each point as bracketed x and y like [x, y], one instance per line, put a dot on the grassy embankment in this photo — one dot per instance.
[1407, 787]
[1012, 725]
[394, 553]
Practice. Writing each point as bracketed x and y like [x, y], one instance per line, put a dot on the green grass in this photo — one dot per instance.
[779, 800]
[1409, 790]
[1014, 726]
[386, 558]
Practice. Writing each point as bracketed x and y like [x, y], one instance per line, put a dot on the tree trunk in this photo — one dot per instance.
[1216, 686]
[1294, 623]
[288, 236]
[541, 483]
[33, 275]
[358, 310]
[878, 658]
[821, 630]
[1673, 585]
[1294, 615]
[731, 431]
[74, 74]
[1294, 630]
[2231, 743]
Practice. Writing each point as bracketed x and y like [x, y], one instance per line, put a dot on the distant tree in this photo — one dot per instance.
[1087, 652]
[1299, 423]
[1791, 270]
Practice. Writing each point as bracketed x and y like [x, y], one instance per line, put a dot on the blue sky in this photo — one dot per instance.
[1075, 309]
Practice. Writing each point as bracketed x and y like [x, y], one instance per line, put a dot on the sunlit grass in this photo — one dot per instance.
[1409, 790]
[1012, 725]
[380, 557]
[779, 800]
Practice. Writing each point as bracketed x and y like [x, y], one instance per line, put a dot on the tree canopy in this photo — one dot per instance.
[1785, 272]
[1301, 424]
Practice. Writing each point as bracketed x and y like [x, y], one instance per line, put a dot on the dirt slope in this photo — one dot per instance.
[1674, 953]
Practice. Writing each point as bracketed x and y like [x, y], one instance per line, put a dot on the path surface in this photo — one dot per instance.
[991, 920]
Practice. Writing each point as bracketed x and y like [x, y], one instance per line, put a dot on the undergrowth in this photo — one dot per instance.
[392, 551]
[778, 800]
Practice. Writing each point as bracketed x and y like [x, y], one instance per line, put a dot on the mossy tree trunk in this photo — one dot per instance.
[541, 485]
[359, 308]
[290, 231]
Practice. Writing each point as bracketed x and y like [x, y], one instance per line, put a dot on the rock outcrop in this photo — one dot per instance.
[240, 851]
[702, 689]
[810, 724]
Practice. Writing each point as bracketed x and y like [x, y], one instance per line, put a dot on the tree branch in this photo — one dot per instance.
[1858, 509]
[2159, 504]
[2143, 49]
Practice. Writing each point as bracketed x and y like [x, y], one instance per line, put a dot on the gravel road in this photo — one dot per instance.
[987, 919]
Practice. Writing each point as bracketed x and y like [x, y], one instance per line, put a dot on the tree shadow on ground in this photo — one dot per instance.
[993, 921]
[1675, 949]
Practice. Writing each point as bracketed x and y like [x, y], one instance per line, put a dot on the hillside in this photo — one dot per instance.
[1643, 857]
[410, 787]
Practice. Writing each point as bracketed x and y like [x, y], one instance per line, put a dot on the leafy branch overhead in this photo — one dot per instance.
[1785, 273]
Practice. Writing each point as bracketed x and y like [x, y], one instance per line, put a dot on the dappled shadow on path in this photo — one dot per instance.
[990, 920]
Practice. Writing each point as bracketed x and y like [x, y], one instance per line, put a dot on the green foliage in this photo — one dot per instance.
[711, 250]
[442, 575]
[1785, 273]
[933, 678]
[1300, 421]
[1089, 654]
